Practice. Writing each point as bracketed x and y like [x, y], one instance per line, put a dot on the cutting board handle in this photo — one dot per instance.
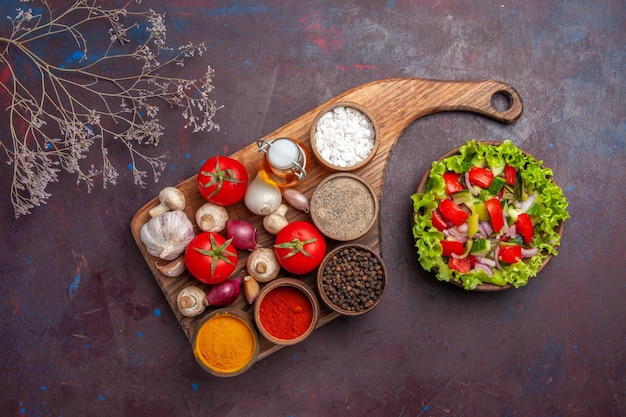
[397, 102]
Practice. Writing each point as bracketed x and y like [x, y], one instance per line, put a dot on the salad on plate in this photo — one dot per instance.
[488, 216]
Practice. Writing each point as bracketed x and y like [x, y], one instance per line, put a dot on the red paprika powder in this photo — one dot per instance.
[286, 313]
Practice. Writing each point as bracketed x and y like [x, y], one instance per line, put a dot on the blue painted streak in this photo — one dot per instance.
[74, 285]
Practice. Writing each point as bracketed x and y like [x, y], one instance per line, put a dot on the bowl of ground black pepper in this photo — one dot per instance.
[344, 136]
[351, 279]
[286, 311]
[344, 206]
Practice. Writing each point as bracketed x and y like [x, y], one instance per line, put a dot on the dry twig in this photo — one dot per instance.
[59, 111]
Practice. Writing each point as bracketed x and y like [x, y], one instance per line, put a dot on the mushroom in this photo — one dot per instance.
[190, 301]
[275, 222]
[211, 217]
[262, 265]
[171, 198]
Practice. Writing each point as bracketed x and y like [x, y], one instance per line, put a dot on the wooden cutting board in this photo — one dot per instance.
[393, 104]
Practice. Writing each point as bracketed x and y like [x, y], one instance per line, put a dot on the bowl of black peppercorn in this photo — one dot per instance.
[351, 279]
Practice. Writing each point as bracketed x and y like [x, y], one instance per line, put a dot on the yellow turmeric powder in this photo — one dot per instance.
[225, 343]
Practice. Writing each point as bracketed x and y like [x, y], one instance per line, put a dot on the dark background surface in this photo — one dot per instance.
[85, 329]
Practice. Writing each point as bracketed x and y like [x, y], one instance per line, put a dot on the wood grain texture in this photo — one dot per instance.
[393, 104]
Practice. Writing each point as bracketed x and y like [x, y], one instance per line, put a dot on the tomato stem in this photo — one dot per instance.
[297, 246]
[218, 177]
[217, 252]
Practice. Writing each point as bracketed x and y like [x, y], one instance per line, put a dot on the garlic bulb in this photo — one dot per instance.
[167, 235]
[262, 196]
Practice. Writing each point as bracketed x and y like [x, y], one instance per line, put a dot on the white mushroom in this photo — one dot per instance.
[262, 265]
[211, 217]
[171, 198]
[190, 301]
[276, 221]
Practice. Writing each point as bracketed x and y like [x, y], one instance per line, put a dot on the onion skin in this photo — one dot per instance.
[242, 233]
[262, 196]
[224, 293]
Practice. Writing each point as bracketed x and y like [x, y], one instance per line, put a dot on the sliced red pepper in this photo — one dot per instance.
[438, 221]
[495, 214]
[452, 182]
[461, 265]
[480, 176]
[524, 226]
[510, 254]
[509, 174]
[452, 212]
[452, 246]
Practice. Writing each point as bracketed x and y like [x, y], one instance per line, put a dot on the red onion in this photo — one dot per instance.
[486, 261]
[496, 253]
[505, 225]
[469, 185]
[484, 267]
[242, 233]
[457, 232]
[224, 293]
[485, 228]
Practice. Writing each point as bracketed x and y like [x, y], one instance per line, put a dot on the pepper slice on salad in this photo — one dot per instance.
[489, 214]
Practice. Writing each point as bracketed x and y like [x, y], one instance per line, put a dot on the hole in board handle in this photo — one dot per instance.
[501, 101]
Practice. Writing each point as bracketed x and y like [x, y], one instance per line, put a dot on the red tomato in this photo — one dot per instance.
[438, 221]
[509, 174]
[300, 247]
[524, 226]
[210, 257]
[452, 182]
[495, 214]
[451, 211]
[222, 180]
[510, 254]
[460, 265]
[480, 176]
[452, 246]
